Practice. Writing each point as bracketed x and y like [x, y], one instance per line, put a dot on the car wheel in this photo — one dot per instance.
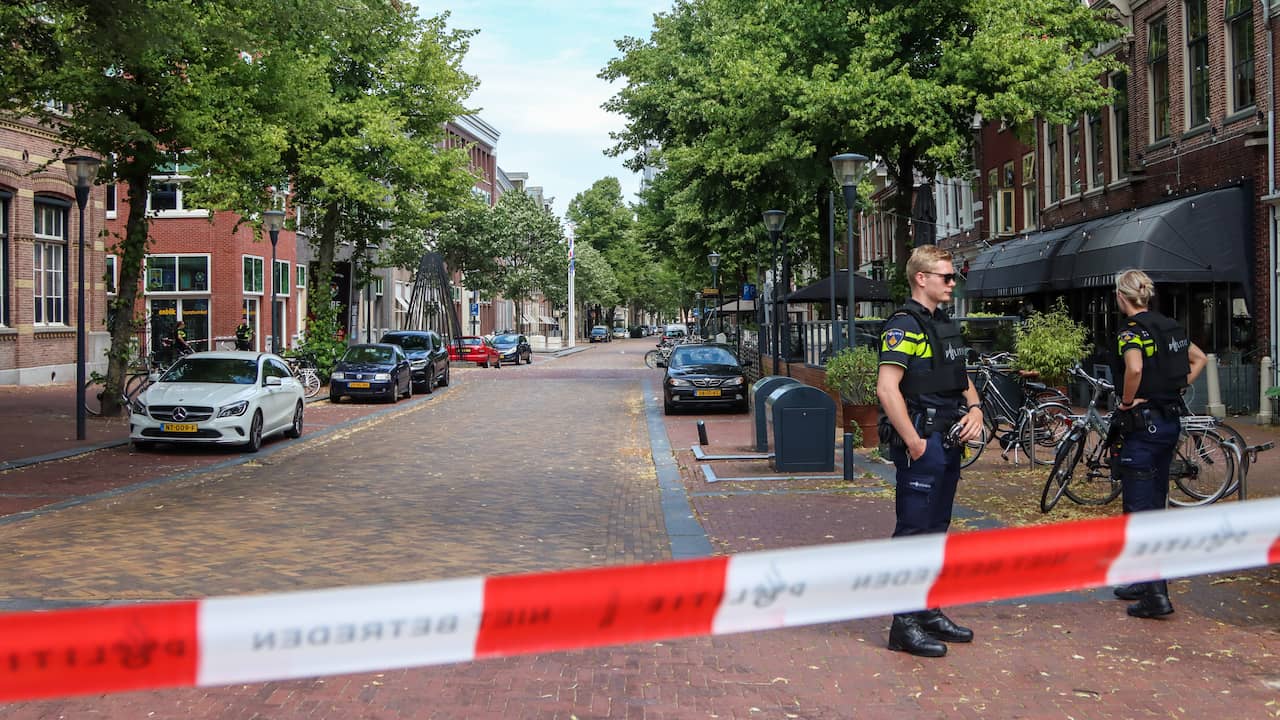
[395, 392]
[444, 381]
[142, 446]
[254, 443]
[295, 430]
[498, 363]
[408, 393]
[431, 382]
[668, 408]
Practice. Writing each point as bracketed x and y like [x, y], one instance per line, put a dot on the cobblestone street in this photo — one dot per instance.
[552, 466]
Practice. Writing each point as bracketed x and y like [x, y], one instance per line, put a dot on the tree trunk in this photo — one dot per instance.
[904, 178]
[132, 253]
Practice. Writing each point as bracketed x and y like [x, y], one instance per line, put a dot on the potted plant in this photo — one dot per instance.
[1050, 343]
[852, 372]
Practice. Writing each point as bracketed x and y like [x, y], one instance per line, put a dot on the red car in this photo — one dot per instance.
[475, 349]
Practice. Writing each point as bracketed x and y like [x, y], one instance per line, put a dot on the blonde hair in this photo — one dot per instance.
[923, 259]
[1136, 287]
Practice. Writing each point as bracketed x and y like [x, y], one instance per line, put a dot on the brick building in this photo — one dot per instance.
[39, 257]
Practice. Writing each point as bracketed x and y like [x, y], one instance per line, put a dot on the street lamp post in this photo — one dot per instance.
[81, 169]
[273, 220]
[713, 258]
[774, 220]
[849, 169]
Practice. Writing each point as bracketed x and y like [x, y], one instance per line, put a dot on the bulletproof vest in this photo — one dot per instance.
[1164, 373]
[947, 371]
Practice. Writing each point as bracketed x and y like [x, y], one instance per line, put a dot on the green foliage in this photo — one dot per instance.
[532, 253]
[853, 372]
[322, 333]
[1050, 343]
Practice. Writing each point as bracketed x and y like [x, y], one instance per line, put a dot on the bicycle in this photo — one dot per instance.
[136, 379]
[1203, 466]
[304, 368]
[1033, 422]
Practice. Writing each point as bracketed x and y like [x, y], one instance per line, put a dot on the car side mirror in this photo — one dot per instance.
[273, 381]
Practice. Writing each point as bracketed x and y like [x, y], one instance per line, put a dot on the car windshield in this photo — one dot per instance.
[684, 357]
[470, 342]
[506, 340]
[367, 354]
[235, 371]
[409, 342]
[599, 329]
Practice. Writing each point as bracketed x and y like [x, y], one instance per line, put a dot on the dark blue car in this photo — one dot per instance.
[373, 370]
[428, 357]
[513, 348]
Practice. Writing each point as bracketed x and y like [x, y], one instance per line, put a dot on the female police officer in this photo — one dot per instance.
[1156, 361]
[925, 393]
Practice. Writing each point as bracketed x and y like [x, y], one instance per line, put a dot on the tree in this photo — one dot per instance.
[144, 79]
[532, 255]
[594, 282]
[599, 214]
[747, 104]
[465, 241]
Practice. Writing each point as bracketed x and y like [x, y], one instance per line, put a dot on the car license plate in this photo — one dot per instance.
[179, 427]
[364, 385]
[706, 393]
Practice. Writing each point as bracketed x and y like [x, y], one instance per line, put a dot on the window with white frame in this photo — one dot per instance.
[1030, 209]
[110, 276]
[177, 273]
[253, 275]
[165, 195]
[49, 256]
[1197, 34]
[1158, 77]
[993, 187]
[1005, 211]
[1240, 54]
[1053, 163]
[1094, 171]
[281, 277]
[300, 276]
[1073, 155]
[110, 191]
[5, 197]
[377, 286]
[1120, 126]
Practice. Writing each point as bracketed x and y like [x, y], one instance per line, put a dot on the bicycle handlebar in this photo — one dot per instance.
[1078, 372]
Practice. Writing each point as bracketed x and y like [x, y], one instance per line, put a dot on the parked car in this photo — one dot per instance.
[620, 332]
[219, 398]
[372, 370]
[513, 347]
[674, 332]
[600, 333]
[704, 374]
[479, 350]
[428, 357]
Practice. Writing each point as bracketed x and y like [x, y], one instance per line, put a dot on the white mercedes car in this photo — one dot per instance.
[220, 398]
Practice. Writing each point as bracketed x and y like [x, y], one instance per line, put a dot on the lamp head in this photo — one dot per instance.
[774, 220]
[849, 168]
[273, 221]
[714, 259]
[82, 169]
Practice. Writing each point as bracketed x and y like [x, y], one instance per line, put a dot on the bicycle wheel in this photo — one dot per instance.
[1203, 467]
[651, 358]
[1097, 485]
[1043, 430]
[1064, 464]
[971, 450]
[135, 384]
[95, 390]
[311, 382]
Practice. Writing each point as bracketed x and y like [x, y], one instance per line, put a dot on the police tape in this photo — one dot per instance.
[226, 640]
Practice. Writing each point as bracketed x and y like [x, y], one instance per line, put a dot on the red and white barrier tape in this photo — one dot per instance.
[220, 641]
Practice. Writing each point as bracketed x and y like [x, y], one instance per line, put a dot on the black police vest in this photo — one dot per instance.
[1164, 373]
[946, 374]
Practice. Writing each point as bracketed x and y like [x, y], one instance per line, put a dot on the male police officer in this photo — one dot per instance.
[244, 336]
[926, 393]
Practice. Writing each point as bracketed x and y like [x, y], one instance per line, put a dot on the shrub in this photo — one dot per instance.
[1050, 343]
[852, 372]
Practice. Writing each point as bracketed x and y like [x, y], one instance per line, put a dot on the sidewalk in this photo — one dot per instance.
[39, 423]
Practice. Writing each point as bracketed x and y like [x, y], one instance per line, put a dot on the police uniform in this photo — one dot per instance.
[244, 337]
[931, 350]
[932, 385]
[1149, 432]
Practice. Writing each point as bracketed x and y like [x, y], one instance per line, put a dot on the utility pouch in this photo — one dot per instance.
[1126, 421]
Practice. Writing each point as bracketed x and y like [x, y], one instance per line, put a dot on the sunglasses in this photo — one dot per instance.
[946, 277]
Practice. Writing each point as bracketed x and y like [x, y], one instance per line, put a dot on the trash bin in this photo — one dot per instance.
[760, 391]
[802, 427]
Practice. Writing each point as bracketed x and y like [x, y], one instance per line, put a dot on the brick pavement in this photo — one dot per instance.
[578, 425]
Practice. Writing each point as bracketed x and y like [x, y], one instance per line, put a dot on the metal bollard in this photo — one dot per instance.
[1264, 402]
[1214, 405]
[848, 457]
[702, 433]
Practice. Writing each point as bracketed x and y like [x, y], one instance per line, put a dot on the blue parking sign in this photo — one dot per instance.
[475, 309]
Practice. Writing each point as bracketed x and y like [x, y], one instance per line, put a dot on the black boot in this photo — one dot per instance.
[907, 635]
[940, 627]
[1154, 603]
[1131, 592]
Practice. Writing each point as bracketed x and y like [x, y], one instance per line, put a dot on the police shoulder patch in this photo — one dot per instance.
[1128, 336]
[893, 337]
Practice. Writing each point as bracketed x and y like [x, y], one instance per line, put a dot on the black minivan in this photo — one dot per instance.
[428, 356]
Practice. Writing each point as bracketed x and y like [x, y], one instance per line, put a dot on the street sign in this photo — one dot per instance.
[748, 291]
[710, 291]
[475, 309]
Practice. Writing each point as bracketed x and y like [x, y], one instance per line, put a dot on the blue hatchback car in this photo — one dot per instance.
[373, 370]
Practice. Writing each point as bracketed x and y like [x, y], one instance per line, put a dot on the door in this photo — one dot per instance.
[278, 407]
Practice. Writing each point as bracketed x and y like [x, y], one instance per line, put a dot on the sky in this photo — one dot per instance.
[537, 64]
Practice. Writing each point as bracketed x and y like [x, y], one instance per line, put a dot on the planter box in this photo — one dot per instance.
[865, 417]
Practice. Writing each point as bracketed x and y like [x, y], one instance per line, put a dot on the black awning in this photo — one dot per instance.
[1201, 238]
[1015, 267]
[864, 290]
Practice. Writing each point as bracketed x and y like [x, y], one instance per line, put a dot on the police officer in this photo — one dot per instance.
[180, 345]
[925, 394]
[244, 336]
[1155, 362]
